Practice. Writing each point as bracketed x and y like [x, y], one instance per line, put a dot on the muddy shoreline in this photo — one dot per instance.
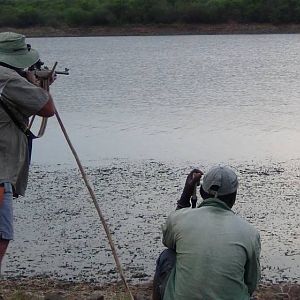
[58, 235]
[144, 30]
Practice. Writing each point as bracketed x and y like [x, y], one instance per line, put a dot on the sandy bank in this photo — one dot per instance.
[177, 29]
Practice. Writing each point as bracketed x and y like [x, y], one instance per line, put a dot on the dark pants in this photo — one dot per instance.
[164, 264]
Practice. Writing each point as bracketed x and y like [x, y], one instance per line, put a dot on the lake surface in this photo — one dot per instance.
[143, 111]
[195, 98]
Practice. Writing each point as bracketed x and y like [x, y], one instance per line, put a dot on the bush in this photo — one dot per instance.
[29, 17]
[8, 17]
[22, 13]
[76, 16]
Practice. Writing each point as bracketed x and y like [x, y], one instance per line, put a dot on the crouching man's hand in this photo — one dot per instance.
[192, 179]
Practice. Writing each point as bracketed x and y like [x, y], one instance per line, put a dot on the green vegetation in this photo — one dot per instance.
[25, 13]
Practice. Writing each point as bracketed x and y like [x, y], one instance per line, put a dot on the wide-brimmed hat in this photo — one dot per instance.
[15, 52]
[220, 181]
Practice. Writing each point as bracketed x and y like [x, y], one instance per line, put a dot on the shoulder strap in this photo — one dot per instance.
[23, 127]
[2, 86]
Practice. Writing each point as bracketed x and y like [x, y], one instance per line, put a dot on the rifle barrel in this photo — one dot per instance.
[65, 72]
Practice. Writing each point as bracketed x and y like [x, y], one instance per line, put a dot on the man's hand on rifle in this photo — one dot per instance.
[43, 75]
[30, 76]
[52, 77]
[34, 78]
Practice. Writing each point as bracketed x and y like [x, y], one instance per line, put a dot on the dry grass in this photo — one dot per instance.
[38, 289]
[278, 292]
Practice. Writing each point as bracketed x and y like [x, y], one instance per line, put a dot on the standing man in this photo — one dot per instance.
[212, 253]
[20, 98]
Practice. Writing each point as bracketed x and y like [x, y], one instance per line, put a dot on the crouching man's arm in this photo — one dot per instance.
[192, 179]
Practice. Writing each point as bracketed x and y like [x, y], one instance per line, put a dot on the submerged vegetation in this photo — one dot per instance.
[57, 13]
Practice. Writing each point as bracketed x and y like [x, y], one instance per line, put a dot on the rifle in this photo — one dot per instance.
[44, 75]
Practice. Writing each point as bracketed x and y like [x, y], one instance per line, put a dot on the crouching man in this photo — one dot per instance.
[212, 252]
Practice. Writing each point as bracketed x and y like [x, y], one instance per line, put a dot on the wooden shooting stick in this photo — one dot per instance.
[93, 196]
[45, 85]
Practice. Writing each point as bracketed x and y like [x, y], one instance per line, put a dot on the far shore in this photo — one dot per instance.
[152, 30]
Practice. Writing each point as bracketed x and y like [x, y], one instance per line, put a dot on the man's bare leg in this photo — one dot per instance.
[3, 248]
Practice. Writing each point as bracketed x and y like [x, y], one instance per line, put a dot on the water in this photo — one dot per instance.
[183, 97]
[141, 112]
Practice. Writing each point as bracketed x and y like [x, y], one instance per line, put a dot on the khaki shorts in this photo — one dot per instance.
[6, 212]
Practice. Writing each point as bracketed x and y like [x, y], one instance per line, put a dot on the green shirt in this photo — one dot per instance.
[24, 100]
[217, 254]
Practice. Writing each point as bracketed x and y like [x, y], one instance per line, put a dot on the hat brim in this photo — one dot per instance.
[20, 60]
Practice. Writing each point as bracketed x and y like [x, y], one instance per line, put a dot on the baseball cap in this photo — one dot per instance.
[220, 181]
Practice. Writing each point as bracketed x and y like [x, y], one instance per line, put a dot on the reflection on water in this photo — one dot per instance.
[142, 111]
[179, 97]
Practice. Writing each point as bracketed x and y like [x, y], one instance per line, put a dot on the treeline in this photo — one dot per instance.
[24, 13]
